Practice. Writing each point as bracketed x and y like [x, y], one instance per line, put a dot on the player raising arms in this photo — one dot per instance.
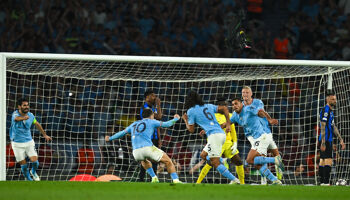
[21, 138]
[257, 103]
[143, 148]
[203, 115]
[260, 140]
[229, 148]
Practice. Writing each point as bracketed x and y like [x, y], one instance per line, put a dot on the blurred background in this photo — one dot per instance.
[79, 102]
[289, 29]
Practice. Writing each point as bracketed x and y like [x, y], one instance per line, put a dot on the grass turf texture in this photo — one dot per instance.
[122, 190]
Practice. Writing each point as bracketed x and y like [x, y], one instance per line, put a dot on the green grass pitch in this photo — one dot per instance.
[63, 190]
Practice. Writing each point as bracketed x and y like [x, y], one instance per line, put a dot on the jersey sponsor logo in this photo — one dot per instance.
[325, 114]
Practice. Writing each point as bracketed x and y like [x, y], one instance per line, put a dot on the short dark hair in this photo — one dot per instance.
[148, 92]
[21, 100]
[192, 99]
[329, 93]
[146, 113]
[221, 100]
[236, 99]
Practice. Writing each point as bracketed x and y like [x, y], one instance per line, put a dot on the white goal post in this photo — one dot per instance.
[292, 90]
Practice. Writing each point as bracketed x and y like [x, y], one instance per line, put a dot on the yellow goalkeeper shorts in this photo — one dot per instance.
[226, 149]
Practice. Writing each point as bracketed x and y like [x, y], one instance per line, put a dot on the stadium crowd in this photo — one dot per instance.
[310, 29]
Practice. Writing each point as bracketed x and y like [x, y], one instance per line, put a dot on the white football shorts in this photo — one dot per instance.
[263, 143]
[21, 150]
[150, 152]
[214, 145]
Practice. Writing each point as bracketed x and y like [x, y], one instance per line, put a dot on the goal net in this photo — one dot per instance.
[81, 99]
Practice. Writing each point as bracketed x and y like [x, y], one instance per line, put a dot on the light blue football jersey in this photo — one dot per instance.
[20, 131]
[257, 103]
[141, 132]
[204, 116]
[250, 121]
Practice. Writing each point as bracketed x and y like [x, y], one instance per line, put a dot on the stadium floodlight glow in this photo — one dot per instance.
[80, 98]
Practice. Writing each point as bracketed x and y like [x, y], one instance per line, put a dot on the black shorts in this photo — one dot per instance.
[328, 153]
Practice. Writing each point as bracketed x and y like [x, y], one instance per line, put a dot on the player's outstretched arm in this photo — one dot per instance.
[170, 122]
[116, 136]
[262, 113]
[40, 128]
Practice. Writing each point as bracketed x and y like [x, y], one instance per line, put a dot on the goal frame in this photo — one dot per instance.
[155, 59]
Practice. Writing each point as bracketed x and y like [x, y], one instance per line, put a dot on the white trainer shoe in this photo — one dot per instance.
[235, 182]
[35, 176]
[177, 181]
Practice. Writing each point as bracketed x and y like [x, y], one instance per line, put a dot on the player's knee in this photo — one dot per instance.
[33, 158]
[204, 155]
[167, 161]
[22, 162]
[215, 162]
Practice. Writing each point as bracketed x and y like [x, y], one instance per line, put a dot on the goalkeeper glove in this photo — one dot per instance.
[234, 148]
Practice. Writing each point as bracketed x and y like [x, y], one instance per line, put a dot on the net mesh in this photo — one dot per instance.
[79, 102]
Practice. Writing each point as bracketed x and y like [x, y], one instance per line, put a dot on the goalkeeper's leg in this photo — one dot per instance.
[203, 173]
[239, 167]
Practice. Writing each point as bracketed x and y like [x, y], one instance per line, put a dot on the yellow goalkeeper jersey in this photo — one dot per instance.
[229, 136]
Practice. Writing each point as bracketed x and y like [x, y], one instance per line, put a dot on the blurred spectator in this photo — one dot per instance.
[177, 28]
[310, 162]
[299, 170]
[282, 45]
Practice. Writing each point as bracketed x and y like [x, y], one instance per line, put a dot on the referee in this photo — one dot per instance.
[152, 102]
[328, 128]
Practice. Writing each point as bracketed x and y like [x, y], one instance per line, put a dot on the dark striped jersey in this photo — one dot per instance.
[327, 116]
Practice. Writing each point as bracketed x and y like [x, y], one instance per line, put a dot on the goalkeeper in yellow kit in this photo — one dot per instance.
[229, 149]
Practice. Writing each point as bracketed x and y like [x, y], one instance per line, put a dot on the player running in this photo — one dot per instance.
[260, 140]
[203, 115]
[21, 138]
[229, 148]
